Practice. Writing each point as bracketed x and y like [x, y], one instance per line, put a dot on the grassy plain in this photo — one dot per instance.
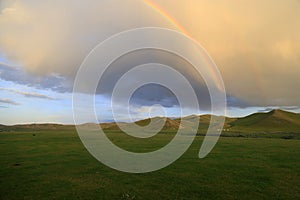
[55, 165]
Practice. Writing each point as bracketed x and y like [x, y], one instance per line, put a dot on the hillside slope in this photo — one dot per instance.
[273, 121]
[276, 121]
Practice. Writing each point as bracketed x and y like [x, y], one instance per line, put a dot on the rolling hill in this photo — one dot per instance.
[275, 121]
[169, 124]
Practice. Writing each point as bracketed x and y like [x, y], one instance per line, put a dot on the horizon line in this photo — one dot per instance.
[72, 124]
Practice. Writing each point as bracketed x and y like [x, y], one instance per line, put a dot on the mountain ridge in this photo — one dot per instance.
[273, 121]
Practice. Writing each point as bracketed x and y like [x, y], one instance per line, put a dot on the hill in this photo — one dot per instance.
[36, 127]
[273, 121]
[169, 124]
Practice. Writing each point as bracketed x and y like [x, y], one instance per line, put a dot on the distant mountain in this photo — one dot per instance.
[25, 127]
[276, 121]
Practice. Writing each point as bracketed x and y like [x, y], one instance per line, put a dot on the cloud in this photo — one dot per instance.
[233, 102]
[8, 101]
[57, 43]
[28, 94]
[255, 44]
[18, 75]
[151, 94]
[290, 107]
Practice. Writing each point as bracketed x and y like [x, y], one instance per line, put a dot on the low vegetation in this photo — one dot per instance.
[54, 164]
[48, 161]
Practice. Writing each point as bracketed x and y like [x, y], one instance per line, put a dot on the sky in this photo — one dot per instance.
[255, 45]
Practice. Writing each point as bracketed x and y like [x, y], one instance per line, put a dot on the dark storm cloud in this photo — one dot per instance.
[145, 96]
[153, 93]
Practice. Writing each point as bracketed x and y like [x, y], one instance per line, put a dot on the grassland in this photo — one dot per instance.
[53, 164]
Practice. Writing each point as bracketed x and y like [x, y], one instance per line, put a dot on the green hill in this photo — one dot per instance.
[169, 124]
[273, 121]
[276, 121]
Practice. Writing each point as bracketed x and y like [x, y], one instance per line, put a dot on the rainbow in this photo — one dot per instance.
[171, 19]
[214, 72]
[167, 16]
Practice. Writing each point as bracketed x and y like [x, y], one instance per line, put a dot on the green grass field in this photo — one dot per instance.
[55, 165]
